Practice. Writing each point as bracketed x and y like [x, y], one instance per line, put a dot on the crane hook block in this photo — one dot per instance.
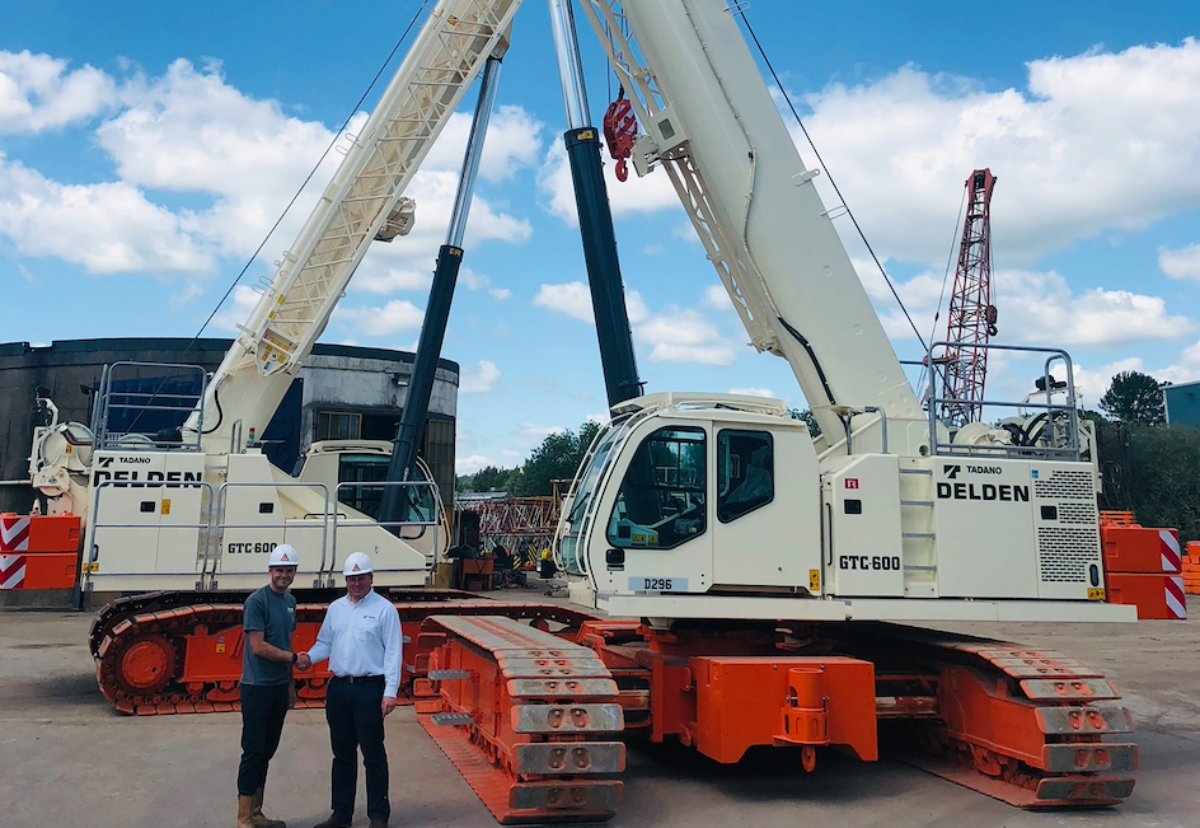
[620, 132]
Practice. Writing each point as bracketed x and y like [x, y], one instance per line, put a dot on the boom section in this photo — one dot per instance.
[361, 204]
[712, 124]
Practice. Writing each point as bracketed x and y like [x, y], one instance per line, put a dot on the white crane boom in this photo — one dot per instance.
[707, 113]
[362, 202]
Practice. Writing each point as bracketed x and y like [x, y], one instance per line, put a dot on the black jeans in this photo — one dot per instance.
[263, 709]
[355, 716]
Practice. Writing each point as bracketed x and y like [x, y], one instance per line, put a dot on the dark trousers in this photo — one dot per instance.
[263, 710]
[355, 716]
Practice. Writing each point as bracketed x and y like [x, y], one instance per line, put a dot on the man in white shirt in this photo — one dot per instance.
[361, 638]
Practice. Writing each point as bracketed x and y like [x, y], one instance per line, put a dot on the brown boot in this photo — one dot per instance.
[245, 810]
[334, 821]
[256, 815]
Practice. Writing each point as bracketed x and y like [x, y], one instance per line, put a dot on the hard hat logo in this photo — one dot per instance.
[358, 563]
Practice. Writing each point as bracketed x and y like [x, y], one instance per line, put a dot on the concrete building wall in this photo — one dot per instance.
[369, 382]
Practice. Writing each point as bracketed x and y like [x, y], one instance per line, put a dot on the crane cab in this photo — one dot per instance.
[696, 494]
[718, 506]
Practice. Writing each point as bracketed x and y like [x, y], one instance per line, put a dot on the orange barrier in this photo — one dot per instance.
[1191, 569]
[1138, 549]
[1155, 596]
[1143, 567]
[38, 533]
[38, 551]
[1121, 518]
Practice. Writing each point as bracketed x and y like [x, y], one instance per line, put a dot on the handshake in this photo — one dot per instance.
[303, 662]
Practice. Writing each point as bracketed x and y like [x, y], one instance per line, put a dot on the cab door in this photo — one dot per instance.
[654, 535]
[766, 530]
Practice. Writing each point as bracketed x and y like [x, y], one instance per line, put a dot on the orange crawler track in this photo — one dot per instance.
[536, 722]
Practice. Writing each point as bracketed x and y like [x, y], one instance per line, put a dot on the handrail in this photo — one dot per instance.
[1067, 449]
[435, 518]
[221, 525]
[91, 552]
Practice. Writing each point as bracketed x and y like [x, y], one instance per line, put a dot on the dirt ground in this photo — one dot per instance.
[67, 759]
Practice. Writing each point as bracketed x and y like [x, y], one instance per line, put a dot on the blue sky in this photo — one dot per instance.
[147, 148]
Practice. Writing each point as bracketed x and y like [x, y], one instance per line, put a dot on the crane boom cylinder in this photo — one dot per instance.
[604, 270]
[570, 68]
[437, 311]
[617, 359]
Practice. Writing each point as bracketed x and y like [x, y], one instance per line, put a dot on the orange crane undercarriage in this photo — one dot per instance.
[534, 702]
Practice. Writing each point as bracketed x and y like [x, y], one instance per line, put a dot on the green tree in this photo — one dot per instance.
[487, 479]
[809, 420]
[1134, 397]
[1165, 478]
[557, 458]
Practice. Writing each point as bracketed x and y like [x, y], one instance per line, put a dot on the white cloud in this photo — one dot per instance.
[636, 308]
[107, 228]
[500, 294]
[572, 298]
[1040, 308]
[651, 194]
[1091, 385]
[244, 301]
[537, 431]
[190, 291]
[397, 316]
[1130, 114]
[1181, 264]
[372, 280]
[717, 298]
[237, 159]
[513, 142]
[1035, 308]
[479, 379]
[675, 335]
[471, 464]
[754, 392]
[473, 280]
[38, 93]
[685, 335]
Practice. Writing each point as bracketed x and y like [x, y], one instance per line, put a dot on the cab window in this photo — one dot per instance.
[745, 472]
[661, 501]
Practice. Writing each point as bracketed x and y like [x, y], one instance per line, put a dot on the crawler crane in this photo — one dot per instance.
[766, 569]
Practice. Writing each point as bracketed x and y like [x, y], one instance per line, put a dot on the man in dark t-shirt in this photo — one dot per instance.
[267, 688]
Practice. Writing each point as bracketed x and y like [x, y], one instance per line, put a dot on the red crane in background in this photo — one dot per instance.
[972, 316]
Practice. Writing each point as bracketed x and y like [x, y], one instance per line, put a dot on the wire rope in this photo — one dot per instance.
[740, 10]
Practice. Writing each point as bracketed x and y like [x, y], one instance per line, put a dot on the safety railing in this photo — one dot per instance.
[212, 526]
[429, 512]
[1038, 428]
[92, 551]
[219, 547]
[163, 407]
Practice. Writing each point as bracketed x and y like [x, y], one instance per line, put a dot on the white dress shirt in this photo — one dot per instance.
[361, 639]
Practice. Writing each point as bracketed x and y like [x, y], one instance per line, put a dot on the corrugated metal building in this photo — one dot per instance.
[1183, 404]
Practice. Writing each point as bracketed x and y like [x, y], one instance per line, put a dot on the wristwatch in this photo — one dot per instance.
[295, 657]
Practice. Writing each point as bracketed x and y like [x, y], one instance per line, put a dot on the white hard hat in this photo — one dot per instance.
[284, 555]
[357, 563]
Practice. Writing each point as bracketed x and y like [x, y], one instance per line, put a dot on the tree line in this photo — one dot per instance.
[557, 458]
